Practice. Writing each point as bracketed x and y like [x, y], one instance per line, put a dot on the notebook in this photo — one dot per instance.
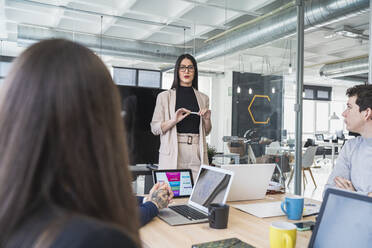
[250, 181]
[180, 181]
[224, 243]
[212, 186]
[344, 220]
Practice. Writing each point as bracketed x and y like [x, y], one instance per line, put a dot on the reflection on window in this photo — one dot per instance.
[125, 76]
[322, 114]
[149, 79]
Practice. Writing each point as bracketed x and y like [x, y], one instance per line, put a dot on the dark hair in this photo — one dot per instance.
[62, 141]
[176, 79]
[363, 94]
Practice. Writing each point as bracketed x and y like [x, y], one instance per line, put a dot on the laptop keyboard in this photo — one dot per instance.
[188, 212]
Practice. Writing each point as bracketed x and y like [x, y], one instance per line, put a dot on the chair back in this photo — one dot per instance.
[308, 156]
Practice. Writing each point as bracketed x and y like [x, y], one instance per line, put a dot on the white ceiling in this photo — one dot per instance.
[162, 21]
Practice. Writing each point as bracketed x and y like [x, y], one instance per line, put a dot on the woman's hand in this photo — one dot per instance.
[180, 114]
[205, 114]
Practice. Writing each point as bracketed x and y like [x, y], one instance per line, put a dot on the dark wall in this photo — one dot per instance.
[266, 107]
[138, 105]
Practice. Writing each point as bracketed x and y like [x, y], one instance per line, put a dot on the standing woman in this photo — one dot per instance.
[64, 179]
[182, 119]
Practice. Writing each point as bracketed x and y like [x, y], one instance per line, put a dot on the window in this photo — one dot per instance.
[149, 78]
[322, 115]
[289, 115]
[322, 93]
[125, 76]
[308, 116]
[337, 108]
[137, 77]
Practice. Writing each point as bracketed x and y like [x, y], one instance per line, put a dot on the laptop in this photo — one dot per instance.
[344, 220]
[212, 186]
[250, 181]
[180, 181]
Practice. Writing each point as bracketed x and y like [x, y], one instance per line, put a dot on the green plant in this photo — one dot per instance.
[211, 150]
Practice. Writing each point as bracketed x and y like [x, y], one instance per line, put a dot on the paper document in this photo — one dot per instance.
[272, 209]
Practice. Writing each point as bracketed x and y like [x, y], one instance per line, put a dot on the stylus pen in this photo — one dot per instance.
[194, 113]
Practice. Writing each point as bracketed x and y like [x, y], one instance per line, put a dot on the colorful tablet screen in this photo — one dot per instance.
[179, 181]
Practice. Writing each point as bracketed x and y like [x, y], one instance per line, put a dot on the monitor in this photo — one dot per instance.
[319, 137]
[344, 220]
[138, 104]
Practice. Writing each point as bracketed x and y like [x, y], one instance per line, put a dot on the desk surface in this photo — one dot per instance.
[246, 227]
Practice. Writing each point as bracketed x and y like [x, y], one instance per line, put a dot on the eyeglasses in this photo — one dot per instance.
[190, 68]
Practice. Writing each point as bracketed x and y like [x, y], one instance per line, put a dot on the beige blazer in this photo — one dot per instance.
[164, 111]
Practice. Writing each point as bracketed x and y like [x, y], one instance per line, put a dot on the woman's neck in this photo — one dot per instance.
[183, 84]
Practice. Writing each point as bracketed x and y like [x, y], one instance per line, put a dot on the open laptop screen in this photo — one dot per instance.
[344, 221]
[211, 187]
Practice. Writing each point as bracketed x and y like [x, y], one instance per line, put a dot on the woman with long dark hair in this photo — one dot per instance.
[182, 119]
[64, 180]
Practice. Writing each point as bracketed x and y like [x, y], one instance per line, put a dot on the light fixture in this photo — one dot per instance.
[290, 70]
[250, 91]
[273, 90]
[349, 32]
[238, 90]
[334, 116]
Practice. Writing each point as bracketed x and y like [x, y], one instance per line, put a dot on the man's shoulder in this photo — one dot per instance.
[353, 142]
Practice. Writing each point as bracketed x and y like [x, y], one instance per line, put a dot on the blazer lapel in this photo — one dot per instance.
[172, 102]
[198, 98]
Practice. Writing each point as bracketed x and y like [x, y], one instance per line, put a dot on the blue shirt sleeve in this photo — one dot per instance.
[147, 211]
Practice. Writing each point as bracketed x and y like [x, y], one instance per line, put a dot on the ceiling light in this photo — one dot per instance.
[350, 32]
[330, 35]
[290, 69]
[273, 90]
[250, 91]
[334, 116]
[238, 90]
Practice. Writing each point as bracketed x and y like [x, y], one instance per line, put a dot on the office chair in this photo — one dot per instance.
[307, 161]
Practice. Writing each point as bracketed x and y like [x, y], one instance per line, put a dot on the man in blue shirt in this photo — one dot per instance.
[353, 170]
[159, 197]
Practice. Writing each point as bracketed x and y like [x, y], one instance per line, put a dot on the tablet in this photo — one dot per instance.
[180, 181]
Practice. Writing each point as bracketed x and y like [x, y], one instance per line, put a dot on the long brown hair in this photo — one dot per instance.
[62, 141]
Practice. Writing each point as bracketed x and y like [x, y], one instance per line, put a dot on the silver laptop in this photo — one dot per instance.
[250, 182]
[212, 186]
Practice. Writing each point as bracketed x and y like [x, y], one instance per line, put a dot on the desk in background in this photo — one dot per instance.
[248, 228]
[332, 145]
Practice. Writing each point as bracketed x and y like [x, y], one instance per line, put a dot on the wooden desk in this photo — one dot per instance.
[246, 227]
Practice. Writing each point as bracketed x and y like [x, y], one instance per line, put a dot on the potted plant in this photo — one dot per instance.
[211, 152]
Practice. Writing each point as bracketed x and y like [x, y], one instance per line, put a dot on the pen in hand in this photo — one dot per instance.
[194, 113]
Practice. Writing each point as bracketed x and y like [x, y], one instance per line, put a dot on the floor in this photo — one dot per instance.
[321, 175]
